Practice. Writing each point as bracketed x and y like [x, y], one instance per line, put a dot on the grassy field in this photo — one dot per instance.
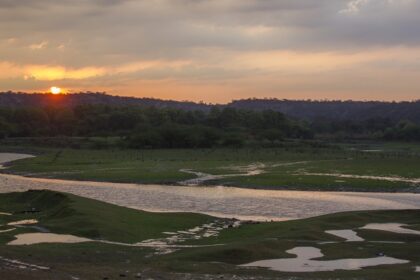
[304, 166]
[63, 213]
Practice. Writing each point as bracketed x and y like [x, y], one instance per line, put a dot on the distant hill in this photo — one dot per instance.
[301, 109]
[20, 99]
[335, 110]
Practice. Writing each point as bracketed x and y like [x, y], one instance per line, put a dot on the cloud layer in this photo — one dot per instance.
[214, 50]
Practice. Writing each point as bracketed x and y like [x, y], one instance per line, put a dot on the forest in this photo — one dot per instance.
[152, 127]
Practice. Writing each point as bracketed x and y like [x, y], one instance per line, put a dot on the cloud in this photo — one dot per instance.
[356, 6]
[39, 46]
[194, 42]
[59, 73]
[353, 6]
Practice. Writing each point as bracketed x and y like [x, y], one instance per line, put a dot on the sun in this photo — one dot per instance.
[55, 90]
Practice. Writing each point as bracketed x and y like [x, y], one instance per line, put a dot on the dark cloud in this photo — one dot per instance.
[168, 27]
[109, 33]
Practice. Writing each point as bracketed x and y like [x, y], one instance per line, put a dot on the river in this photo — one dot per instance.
[219, 201]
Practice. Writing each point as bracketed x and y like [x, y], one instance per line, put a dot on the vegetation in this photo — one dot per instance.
[309, 110]
[250, 242]
[336, 110]
[152, 127]
[291, 167]
[65, 213]
[64, 121]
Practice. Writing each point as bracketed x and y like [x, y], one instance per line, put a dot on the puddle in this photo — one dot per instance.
[162, 246]
[7, 230]
[289, 163]
[248, 170]
[381, 178]
[15, 264]
[207, 230]
[171, 244]
[8, 157]
[391, 227]
[347, 234]
[226, 202]
[388, 242]
[23, 222]
[372, 151]
[37, 238]
[304, 262]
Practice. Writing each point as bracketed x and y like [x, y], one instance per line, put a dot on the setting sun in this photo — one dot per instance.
[55, 90]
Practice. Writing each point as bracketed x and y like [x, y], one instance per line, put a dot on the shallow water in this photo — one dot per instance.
[37, 238]
[161, 246]
[7, 157]
[23, 222]
[347, 234]
[368, 177]
[392, 227]
[247, 204]
[7, 230]
[304, 262]
[243, 171]
[15, 264]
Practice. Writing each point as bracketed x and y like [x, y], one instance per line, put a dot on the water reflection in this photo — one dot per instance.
[219, 201]
[304, 262]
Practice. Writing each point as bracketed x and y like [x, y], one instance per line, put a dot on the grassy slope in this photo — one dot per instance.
[271, 240]
[65, 213]
[163, 166]
[70, 214]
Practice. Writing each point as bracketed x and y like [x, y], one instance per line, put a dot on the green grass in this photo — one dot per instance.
[64, 213]
[163, 166]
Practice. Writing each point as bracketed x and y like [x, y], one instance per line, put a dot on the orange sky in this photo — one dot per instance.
[214, 51]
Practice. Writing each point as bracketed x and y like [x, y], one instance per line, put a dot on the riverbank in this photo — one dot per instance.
[96, 240]
[351, 168]
[227, 202]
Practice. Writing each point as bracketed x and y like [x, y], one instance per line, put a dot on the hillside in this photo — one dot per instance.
[18, 100]
[301, 109]
[335, 110]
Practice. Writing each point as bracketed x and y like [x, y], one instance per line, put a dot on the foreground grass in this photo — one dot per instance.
[289, 167]
[63, 213]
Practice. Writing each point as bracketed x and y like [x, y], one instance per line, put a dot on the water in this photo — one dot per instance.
[380, 178]
[39, 237]
[347, 234]
[23, 222]
[247, 204]
[15, 264]
[304, 262]
[392, 227]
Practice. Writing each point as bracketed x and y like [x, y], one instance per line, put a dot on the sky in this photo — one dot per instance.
[214, 50]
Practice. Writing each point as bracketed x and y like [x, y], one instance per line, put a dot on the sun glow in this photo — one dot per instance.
[55, 90]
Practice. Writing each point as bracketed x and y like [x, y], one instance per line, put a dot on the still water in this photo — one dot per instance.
[218, 201]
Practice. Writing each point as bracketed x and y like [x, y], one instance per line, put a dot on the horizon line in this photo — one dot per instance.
[210, 103]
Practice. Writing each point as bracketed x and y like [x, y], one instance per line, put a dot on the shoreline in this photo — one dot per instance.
[206, 183]
[218, 201]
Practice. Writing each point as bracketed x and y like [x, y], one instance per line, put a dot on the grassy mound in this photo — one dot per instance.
[65, 213]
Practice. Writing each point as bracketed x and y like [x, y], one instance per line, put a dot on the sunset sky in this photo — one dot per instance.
[214, 50]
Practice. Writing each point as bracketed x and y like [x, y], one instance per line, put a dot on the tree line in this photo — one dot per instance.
[154, 127]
